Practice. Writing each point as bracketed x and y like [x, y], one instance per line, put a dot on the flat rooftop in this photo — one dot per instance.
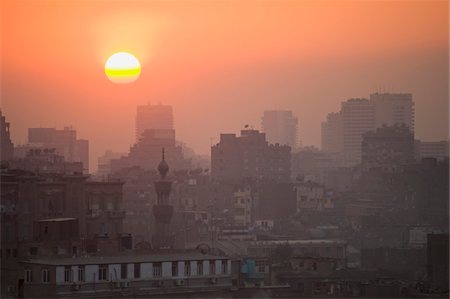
[123, 259]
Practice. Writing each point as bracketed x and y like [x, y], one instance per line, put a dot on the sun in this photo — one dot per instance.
[122, 67]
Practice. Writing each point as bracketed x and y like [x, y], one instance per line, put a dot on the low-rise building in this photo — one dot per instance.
[126, 275]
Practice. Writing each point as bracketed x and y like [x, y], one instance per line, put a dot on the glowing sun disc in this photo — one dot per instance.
[122, 67]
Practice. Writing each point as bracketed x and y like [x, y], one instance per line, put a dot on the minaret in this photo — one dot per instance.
[162, 210]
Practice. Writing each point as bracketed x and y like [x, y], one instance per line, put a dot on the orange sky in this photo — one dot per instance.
[220, 64]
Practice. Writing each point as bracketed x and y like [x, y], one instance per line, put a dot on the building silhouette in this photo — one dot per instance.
[342, 131]
[146, 153]
[393, 109]
[280, 126]
[6, 146]
[163, 210]
[332, 141]
[153, 117]
[387, 148]
[64, 141]
[249, 156]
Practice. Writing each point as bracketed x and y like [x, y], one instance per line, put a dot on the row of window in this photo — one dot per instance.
[103, 271]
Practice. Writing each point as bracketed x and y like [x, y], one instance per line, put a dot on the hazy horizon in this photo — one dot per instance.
[219, 64]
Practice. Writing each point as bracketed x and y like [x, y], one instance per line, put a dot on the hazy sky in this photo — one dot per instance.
[220, 64]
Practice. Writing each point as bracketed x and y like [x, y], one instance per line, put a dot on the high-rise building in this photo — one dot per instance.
[342, 131]
[153, 117]
[281, 126]
[249, 156]
[393, 109]
[6, 146]
[64, 141]
[358, 117]
[332, 141]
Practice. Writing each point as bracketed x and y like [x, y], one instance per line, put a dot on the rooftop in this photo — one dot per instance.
[122, 259]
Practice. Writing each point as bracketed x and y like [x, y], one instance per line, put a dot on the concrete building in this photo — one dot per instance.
[335, 249]
[312, 197]
[243, 207]
[249, 156]
[387, 148]
[343, 131]
[432, 149]
[280, 126]
[6, 146]
[104, 163]
[153, 274]
[146, 153]
[45, 161]
[332, 134]
[64, 141]
[358, 117]
[393, 109]
[153, 117]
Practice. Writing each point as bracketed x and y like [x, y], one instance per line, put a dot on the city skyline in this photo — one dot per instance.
[224, 149]
[295, 72]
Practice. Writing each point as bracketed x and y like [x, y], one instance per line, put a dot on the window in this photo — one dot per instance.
[123, 271]
[224, 267]
[81, 273]
[28, 275]
[199, 268]
[212, 267]
[67, 274]
[45, 275]
[157, 269]
[137, 270]
[102, 272]
[187, 268]
[174, 269]
[260, 266]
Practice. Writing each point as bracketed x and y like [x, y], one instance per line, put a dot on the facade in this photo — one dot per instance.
[45, 161]
[243, 206]
[130, 275]
[335, 249]
[312, 197]
[280, 126]
[432, 149]
[6, 146]
[387, 148]
[153, 117]
[64, 141]
[104, 163]
[332, 135]
[358, 117]
[393, 109]
[249, 156]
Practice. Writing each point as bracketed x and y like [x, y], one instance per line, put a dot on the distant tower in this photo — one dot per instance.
[162, 210]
